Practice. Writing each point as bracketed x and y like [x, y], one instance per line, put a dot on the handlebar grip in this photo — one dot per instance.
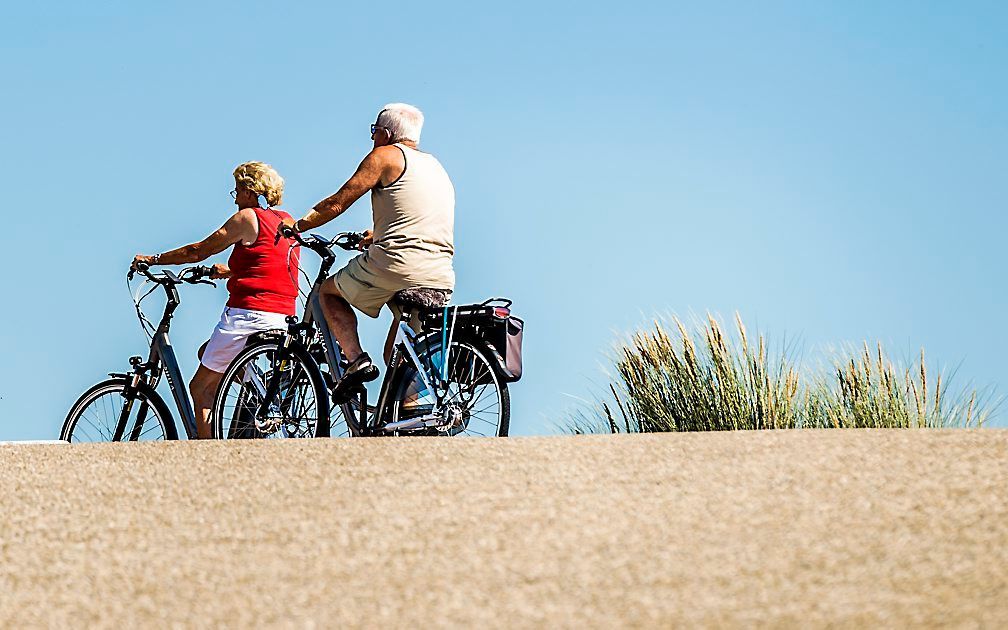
[140, 267]
[349, 241]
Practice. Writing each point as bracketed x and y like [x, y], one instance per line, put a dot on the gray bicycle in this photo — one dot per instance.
[448, 374]
[127, 407]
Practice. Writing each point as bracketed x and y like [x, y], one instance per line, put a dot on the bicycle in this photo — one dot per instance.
[423, 391]
[107, 408]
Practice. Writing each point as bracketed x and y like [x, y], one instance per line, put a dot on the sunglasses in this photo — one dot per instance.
[375, 128]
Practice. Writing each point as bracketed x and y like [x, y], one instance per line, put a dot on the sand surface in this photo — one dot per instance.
[839, 528]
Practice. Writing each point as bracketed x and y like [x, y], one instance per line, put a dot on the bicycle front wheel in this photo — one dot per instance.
[104, 414]
[300, 407]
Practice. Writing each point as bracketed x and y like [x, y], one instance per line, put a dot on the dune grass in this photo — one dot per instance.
[672, 378]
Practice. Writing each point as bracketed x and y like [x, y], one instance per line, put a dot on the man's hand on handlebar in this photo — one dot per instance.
[367, 239]
[285, 229]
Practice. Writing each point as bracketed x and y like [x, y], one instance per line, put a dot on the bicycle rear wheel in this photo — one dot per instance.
[299, 409]
[96, 414]
[477, 403]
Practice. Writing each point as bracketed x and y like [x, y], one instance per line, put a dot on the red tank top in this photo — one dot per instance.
[264, 275]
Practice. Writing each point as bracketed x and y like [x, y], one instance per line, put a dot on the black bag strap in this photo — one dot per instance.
[503, 300]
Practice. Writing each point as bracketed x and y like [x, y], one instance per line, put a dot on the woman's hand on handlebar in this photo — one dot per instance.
[220, 272]
[141, 262]
[196, 275]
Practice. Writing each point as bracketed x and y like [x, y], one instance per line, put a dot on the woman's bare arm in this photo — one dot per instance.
[242, 226]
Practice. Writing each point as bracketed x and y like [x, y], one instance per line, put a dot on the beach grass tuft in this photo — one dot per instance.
[675, 377]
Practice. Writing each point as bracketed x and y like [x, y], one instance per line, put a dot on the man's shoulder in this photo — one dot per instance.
[390, 161]
[388, 152]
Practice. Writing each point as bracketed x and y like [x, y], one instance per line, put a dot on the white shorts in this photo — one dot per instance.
[234, 328]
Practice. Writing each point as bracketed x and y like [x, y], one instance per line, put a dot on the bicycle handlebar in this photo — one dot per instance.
[189, 275]
[349, 241]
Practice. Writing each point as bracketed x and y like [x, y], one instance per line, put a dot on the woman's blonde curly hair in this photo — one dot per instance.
[262, 179]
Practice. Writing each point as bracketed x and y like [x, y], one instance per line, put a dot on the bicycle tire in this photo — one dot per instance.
[239, 417]
[111, 386]
[405, 376]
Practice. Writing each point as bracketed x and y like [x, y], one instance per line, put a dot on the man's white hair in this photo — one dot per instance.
[403, 121]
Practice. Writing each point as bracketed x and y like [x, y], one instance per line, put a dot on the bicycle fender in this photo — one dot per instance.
[264, 336]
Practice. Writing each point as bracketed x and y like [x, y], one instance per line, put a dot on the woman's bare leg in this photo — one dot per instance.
[203, 388]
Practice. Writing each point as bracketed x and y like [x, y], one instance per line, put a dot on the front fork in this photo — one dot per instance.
[133, 381]
[280, 362]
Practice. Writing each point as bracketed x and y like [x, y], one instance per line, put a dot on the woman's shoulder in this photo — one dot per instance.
[257, 213]
[245, 216]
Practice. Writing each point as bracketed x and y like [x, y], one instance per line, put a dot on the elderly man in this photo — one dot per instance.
[410, 245]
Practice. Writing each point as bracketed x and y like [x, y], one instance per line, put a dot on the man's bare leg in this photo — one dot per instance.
[390, 340]
[341, 319]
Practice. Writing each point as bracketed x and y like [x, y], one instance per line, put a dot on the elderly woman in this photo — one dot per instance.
[261, 272]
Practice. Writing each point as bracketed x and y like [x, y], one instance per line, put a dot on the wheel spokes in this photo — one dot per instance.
[294, 411]
[97, 419]
[472, 401]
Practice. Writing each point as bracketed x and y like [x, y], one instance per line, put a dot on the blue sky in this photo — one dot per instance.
[832, 171]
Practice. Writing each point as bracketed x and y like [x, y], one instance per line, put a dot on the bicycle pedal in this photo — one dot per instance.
[344, 398]
[318, 353]
[345, 394]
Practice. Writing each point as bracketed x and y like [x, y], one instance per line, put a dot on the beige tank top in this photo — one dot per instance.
[414, 225]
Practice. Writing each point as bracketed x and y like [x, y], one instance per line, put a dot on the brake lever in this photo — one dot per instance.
[349, 242]
[286, 231]
[141, 267]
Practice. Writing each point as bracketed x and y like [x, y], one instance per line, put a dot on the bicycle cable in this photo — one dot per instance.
[293, 275]
[146, 324]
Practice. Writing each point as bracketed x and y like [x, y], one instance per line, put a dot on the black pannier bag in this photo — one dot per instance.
[505, 335]
[513, 353]
[491, 322]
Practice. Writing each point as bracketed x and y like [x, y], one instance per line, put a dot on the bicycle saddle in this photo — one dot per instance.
[421, 298]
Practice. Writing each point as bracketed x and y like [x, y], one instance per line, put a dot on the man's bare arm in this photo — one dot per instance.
[369, 174]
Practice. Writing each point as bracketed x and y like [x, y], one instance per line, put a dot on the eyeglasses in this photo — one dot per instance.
[234, 194]
[375, 128]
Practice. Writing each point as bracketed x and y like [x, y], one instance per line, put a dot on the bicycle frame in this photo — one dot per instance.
[404, 341]
[160, 361]
[314, 316]
[163, 354]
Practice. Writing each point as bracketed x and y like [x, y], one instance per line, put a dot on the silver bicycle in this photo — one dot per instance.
[448, 374]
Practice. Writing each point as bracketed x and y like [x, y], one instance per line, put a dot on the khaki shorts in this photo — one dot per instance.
[364, 290]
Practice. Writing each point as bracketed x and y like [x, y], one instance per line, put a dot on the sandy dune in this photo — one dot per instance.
[852, 528]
